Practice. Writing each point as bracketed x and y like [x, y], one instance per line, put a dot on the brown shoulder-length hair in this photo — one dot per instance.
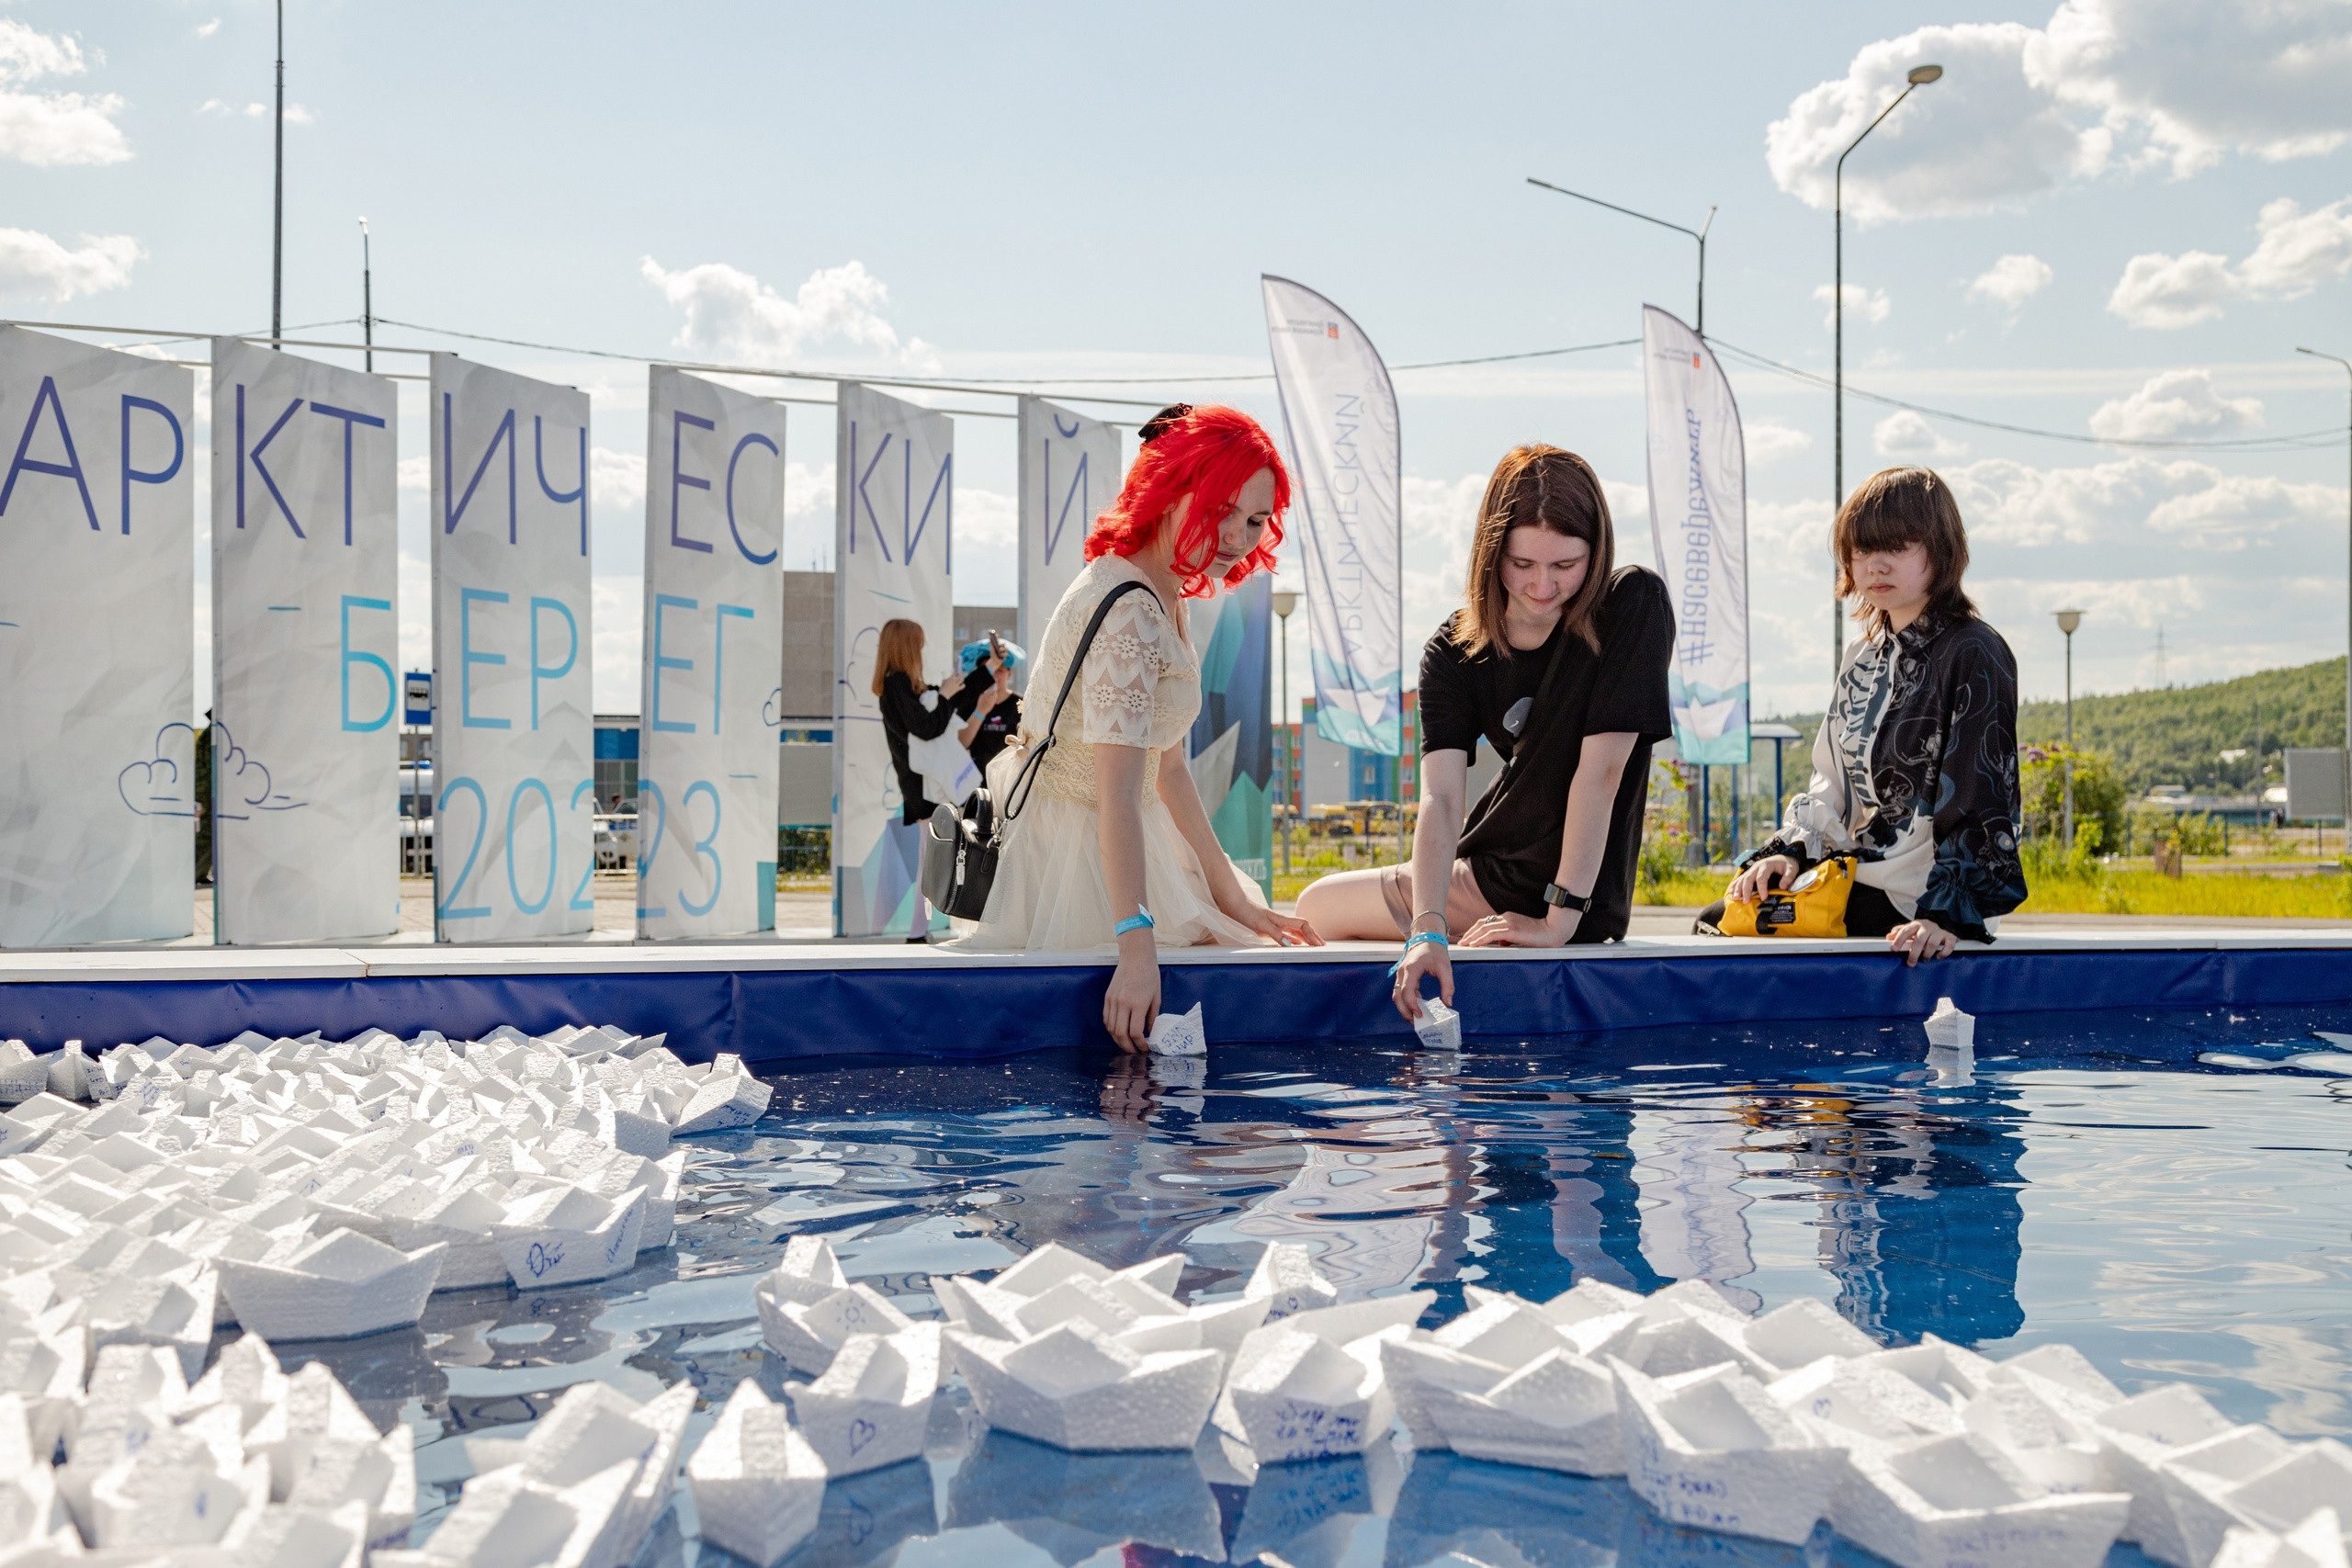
[1893, 510]
[1536, 486]
[898, 649]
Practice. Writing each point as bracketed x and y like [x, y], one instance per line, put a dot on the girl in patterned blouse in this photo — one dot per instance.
[1112, 847]
[1915, 766]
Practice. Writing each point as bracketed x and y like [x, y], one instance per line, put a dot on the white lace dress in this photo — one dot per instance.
[1141, 687]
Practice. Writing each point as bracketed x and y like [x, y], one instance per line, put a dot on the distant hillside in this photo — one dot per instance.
[2177, 736]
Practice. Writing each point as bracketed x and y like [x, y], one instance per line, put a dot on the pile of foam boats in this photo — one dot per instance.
[303, 1189]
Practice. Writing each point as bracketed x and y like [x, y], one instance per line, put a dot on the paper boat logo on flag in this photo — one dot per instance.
[1706, 720]
[1331, 331]
[1694, 362]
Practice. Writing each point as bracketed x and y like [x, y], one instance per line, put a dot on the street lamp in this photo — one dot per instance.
[2067, 621]
[2315, 353]
[278, 199]
[1700, 234]
[1920, 76]
[1285, 601]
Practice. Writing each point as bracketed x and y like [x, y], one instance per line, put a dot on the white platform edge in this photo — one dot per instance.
[160, 965]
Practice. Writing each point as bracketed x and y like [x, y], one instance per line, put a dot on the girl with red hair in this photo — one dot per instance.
[1109, 844]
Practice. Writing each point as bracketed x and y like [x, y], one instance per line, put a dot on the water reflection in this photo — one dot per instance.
[2096, 1182]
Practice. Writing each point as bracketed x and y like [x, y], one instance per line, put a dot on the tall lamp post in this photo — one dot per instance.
[2315, 353]
[1285, 601]
[2067, 621]
[1700, 234]
[1919, 77]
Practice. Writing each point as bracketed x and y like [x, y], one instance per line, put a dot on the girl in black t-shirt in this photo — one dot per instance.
[1559, 662]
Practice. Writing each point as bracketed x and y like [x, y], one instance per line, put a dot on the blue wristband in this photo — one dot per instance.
[1410, 942]
[1135, 922]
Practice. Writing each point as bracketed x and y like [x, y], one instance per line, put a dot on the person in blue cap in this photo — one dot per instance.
[989, 706]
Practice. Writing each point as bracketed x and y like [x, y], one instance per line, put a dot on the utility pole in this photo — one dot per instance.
[277, 204]
[367, 297]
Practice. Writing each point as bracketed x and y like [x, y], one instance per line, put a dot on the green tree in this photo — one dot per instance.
[2099, 795]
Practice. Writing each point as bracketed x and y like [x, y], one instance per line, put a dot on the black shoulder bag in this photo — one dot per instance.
[960, 847]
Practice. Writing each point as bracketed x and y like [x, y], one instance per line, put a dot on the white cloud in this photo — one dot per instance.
[1438, 516]
[2294, 252]
[2169, 83]
[2011, 281]
[2134, 502]
[2180, 83]
[1863, 304]
[731, 312]
[32, 263]
[2298, 250]
[2166, 292]
[415, 473]
[616, 479]
[205, 30]
[1769, 440]
[1907, 437]
[986, 519]
[2177, 403]
[48, 129]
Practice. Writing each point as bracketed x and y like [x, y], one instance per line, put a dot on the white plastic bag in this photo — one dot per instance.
[948, 775]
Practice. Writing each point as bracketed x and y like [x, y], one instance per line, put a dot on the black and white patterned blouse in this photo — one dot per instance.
[1915, 774]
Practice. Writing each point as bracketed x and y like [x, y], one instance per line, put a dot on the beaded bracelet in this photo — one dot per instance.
[1135, 922]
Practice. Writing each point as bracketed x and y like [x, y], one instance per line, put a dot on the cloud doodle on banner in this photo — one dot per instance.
[154, 785]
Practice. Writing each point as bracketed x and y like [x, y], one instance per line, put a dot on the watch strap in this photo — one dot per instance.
[1560, 897]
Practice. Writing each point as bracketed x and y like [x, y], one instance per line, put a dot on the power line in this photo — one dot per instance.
[1268, 375]
[2299, 441]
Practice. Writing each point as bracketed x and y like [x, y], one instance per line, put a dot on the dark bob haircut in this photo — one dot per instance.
[1893, 510]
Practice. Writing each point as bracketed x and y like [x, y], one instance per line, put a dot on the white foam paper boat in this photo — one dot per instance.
[1286, 1277]
[507, 1519]
[1939, 1501]
[1711, 1449]
[338, 1287]
[757, 1483]
[727, 1097]
[568, 1236]
[871, 1407]
[594, 1430]
[1179, 1034]
[1440, 1027]
[2315, 1543]
[1297, 1396]
[1075, 1387]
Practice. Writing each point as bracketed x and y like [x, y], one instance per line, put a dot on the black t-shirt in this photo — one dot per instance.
[997, 727]
[1512, 837]
[904, 715]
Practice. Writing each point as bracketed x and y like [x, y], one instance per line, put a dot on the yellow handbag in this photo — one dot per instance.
[1813, 905]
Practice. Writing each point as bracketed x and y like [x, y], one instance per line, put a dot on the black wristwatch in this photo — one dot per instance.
[1560, 897]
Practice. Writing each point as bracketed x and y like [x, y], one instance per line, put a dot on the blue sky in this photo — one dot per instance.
[2112, 217]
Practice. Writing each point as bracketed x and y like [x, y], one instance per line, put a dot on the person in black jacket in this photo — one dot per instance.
[911, 710]
[1914, 772]
[1559, 662]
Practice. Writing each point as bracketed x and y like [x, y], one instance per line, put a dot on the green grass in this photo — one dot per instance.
[2222, 896]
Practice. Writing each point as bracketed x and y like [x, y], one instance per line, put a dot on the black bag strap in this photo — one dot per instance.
[1018, 795]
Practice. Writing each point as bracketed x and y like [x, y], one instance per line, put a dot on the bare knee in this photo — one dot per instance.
[1348, 906]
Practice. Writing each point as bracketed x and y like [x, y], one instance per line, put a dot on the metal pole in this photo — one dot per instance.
[367, 296]
[2347, 664]
[277, 203]
[1920, 75]
[2069, 846]
[1699, 235]
[1290, 753]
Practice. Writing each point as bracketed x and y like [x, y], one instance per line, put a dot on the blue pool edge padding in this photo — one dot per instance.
[773, 1005]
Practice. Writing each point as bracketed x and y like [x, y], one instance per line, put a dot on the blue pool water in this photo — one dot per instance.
[2166, 1191]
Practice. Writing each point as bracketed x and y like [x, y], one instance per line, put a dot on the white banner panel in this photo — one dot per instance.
[1699, 522]
[514, 819]
[893, 558]
[1348, 469]
[1070, 472]
[97, 645]
[305, 642]
[714, 654]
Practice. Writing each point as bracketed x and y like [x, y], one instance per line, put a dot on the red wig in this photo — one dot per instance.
[1207, 454]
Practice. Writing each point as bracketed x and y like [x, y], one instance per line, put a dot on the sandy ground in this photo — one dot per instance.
[809, 917]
